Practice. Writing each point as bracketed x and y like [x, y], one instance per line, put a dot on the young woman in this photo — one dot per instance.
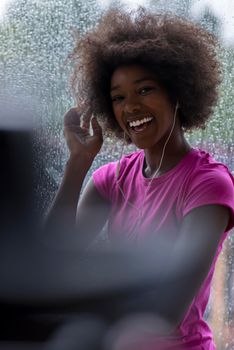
[147, 79]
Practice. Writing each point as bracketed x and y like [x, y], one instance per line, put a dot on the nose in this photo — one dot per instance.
[132, 105]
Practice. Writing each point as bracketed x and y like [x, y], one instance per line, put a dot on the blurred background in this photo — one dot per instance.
[36, 37]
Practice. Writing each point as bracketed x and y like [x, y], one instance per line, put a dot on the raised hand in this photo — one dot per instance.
[77, 134]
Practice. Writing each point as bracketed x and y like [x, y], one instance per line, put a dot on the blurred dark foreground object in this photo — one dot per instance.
[16, 180]
[64, 299]
[46, 294]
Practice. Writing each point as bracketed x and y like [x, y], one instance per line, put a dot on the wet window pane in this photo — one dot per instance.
[36, 37]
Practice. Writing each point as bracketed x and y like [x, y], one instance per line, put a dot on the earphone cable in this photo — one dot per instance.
[140, 209]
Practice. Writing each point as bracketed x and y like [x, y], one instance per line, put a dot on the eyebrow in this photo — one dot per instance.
[115, 87]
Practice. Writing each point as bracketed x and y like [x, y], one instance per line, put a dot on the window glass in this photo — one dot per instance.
[36, 37]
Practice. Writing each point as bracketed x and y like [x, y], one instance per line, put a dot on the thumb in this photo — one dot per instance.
[97, 130]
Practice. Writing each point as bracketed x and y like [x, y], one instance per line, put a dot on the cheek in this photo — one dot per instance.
[114, 110]
[120, 123]
[117, 115]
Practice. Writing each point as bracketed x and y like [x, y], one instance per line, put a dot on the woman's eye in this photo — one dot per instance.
[145, 90]
[116, 98]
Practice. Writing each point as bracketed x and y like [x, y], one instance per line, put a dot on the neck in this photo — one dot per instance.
[175, 150]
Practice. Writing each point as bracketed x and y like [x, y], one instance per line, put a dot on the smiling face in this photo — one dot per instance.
[142, 107]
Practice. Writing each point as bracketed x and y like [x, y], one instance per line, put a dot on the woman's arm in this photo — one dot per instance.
[83, 148]
[193, 254]
[184, 266]
[92, 213]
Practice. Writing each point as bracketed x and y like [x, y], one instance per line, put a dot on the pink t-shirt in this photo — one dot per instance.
[141, 207]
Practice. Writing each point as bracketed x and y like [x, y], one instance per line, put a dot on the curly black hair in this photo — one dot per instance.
[181, 54]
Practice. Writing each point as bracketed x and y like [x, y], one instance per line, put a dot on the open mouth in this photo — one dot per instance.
[140, 124]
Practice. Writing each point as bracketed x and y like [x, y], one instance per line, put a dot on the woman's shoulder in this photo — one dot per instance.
[124, 164]
[206, 175]
[132, 158]
[204, 164]
[208, 182]
[106, 177]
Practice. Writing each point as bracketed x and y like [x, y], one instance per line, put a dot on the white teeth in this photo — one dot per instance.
[139, 122]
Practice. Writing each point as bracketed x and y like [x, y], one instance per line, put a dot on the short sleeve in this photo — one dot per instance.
[211, 185]
[104, 180]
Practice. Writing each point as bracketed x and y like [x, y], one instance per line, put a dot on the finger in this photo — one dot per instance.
[76, 130]
[86, 118]
[97, 130]
[72, 116]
